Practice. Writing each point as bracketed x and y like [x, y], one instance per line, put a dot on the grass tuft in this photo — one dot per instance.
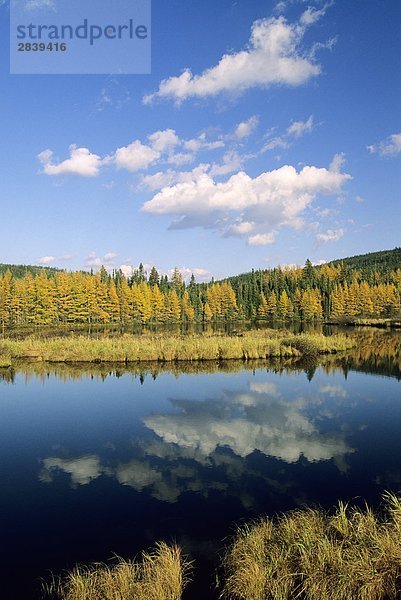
[159, 575]
[312, 555]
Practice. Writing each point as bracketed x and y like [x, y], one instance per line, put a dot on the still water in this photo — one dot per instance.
[95, 461]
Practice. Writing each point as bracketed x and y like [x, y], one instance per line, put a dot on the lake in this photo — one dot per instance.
[97, 460]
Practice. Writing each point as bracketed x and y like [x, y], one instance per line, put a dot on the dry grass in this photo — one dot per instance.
[308, 554]
[160, 575]
[311, 555]
[168, 348]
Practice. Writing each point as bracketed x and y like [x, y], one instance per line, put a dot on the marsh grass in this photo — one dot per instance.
[128, 348]
[312, 555]
[159, 575]
[306, 554]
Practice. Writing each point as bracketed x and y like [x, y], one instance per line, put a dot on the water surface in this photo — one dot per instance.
[96, 460]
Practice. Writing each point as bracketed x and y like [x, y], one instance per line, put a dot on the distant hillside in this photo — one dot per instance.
[19, 271]
[335, 288]
[381, 262]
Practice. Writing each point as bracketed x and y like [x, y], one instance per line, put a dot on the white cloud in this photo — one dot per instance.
[110, 256]
[262, 239]
[391, 146]
[46, 260]
[81, 162]
[276, 142]
[165, 147]
[241, 228]
[201, 274]
[92, 260]
[331, 235]
[232, 161]
[244, 129]
[181, 158]
[158, 180]
[272, 200]
[135, 156]
[165, 140]
[127, 270]
[202, 143]
[162, 179]
[273, 57]
[299, 128]
[338, 161]
[324, 213]
[280, 6]
[312, 14]
[295, 130]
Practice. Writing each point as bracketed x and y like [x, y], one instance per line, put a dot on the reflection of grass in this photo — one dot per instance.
[394, 323]
[5, 361]
[311, 555]
[161, 575]
[169, 348]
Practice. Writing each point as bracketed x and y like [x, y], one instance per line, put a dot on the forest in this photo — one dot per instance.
[368, 286]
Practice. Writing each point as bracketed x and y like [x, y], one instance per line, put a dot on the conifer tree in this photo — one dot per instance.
[187, 310]
[272, 306]
[263, 307]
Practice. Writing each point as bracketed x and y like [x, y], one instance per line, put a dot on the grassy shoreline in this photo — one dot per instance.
[348, 553]
[390, 323]
[129, 348]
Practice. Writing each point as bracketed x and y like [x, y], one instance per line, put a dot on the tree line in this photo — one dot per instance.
[309, 293]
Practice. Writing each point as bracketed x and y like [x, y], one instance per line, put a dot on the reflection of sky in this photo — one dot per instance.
[258, 419]
[122, 464]
[91, 466]
[218, 433]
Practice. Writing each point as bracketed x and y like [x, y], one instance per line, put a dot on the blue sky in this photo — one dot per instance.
[266, 133]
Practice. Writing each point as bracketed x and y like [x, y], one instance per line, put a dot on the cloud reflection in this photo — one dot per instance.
[205, 445]
[82, 470]
[258, 420]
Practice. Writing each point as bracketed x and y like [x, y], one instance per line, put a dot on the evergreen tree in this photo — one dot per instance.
[153, 277]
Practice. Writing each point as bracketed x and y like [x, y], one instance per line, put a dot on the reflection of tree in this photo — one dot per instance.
[7, 375]
[377, 352]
